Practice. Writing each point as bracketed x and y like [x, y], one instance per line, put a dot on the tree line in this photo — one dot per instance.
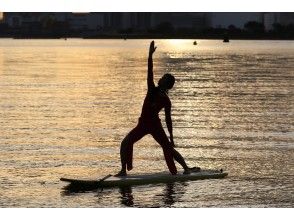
[55, 29]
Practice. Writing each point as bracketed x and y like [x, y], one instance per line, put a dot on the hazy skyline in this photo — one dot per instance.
[216, 25]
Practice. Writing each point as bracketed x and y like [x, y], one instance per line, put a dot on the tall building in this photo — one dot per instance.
[143, 20]
[269, 19]
[127, 20]
[114, 22]
[286, 18]
[20, 19]
[86, 21]
[193, 20]
[238, 19]
[283, 18]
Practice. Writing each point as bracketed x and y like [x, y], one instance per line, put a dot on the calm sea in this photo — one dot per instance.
[65, 106]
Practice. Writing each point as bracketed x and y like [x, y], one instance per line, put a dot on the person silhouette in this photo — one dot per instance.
[150, 123]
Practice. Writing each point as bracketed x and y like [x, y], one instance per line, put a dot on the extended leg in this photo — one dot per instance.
[178, 157]
[160, 136]
[187, 170]
[162, 139]
[126, 149]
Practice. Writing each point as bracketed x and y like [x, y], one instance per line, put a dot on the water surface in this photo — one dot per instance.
[65, 106]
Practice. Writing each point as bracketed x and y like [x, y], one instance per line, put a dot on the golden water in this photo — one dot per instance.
[66, 105]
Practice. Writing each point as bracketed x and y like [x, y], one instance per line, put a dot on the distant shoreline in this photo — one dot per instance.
[129, 37]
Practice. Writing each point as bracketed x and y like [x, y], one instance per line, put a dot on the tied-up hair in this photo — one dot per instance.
[170, 80]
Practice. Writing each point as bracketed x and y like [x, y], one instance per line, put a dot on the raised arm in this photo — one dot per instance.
[150, 82]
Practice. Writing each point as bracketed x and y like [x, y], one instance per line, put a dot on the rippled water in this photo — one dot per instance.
[66, 105]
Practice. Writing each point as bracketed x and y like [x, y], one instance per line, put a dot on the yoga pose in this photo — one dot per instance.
[149, 123]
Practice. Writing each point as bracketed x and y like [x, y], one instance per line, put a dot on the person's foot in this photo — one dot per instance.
[121, 173]
[187, 171]
[192, 170]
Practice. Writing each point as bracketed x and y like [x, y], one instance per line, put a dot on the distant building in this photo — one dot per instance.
[286, 18]
[13, 19]
[86, 21]
[269, 19]
[21, 19]
[191, 20]
[114, 22]
[95, 21]
[76, 21]
[238, 19]
[29, 22]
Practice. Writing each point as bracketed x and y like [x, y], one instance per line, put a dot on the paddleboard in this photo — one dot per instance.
[142, 179]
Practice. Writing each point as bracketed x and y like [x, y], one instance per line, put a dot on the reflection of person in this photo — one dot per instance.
[169, 194]
[172, 193]
[149, 123]
[126, 196]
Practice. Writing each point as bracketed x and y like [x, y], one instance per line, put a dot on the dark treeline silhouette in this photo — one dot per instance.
[251, 30]
[49, 27]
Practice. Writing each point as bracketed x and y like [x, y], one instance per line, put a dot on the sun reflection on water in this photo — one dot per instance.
[66, 105]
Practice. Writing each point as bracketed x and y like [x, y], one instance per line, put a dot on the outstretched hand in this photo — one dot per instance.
[152, 48]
